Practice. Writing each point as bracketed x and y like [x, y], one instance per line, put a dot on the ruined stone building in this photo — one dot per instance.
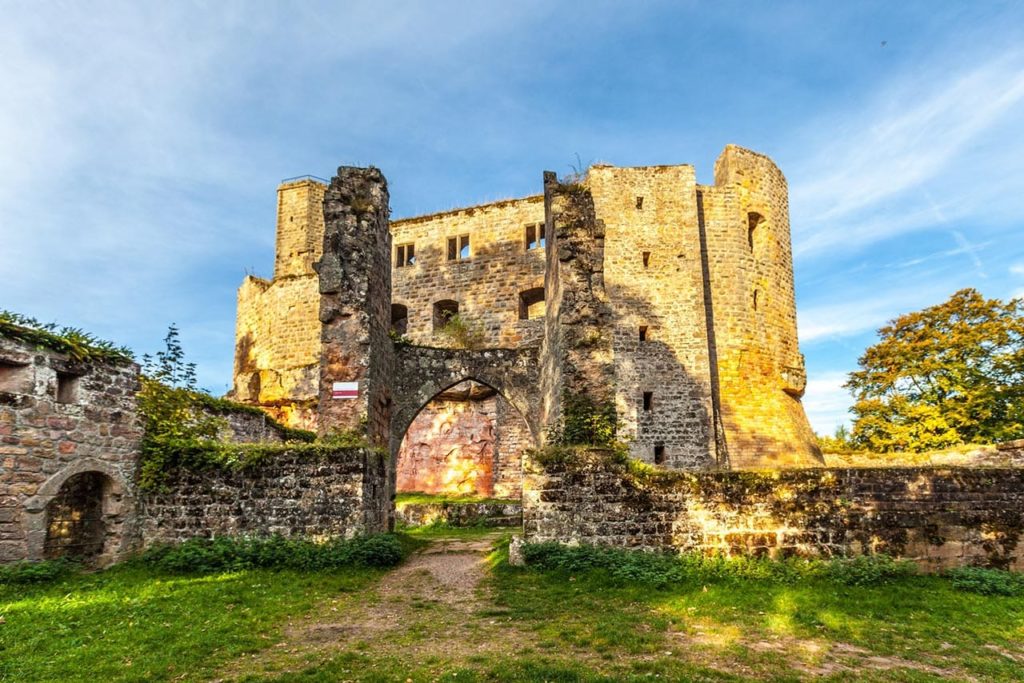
[697, 326]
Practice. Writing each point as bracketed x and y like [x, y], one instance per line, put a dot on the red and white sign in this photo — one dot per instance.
[345, 390]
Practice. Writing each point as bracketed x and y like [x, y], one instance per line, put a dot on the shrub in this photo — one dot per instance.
[868, 570]
[233, 553]
[986, 581]
[37, 572]
[463, 333]
[663, 569]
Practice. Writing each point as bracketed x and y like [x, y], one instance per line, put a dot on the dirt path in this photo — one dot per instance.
[437, 590]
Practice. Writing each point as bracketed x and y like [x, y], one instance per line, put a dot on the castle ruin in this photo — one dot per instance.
[672, 300]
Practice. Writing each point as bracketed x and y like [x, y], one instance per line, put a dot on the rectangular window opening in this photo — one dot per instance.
[643, 333]
[15, 378]
[648, 401]
[458, 248]
[535, 236]
[659, 454]
[405, 255]
[639, 202]
[67, 387]
[647, 258]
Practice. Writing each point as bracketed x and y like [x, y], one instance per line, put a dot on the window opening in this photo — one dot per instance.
[753, 220]
[405, 255]
[639, 202]
[535, 236]
[399, 319]
[67, 387]
[15, 379]
[647, 258]
[648, 400]
[531, 304]
[659, 454]
[458, 248]
[755, 299]
[443, 312]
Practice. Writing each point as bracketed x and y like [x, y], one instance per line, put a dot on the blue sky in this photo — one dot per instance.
[141, 143]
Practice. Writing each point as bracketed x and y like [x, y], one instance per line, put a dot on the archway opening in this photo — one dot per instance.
[76, 525]
[466, 441]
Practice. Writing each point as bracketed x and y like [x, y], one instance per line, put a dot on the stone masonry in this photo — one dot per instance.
[69, 442]
[671, 299]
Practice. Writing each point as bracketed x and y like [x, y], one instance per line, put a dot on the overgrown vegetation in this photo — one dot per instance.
[184, 426]
[986, 581]
[584, 422]
[37, 572]
[420, 498]
[660, 570]
[232, 553]
[76, 343]
[946, 375]
[463, 333]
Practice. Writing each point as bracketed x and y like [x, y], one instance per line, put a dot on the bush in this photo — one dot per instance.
[37, 572]
[663, 569]
[232, 553]
[868, 570]
[986, 581]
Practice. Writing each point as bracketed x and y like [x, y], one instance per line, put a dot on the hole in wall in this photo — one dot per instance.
[444, 311]
[647, 259]
[643, 333]
[399, 319]
[67, 387]
[639, 202]
[648, 401]
[531, 304]
[659, 454]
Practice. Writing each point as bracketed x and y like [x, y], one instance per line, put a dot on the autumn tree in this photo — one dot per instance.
[947, 375]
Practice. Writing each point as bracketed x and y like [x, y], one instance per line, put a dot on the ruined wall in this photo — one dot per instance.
[938, 517]
[355, 304]
[60, 421]
[297, 493]
[745, 217]
[654, 279]
[487, 285]
[277, 331]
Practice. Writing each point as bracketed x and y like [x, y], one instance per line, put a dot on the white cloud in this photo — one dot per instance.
[874, 181]
[1017, 269]
[826, 402]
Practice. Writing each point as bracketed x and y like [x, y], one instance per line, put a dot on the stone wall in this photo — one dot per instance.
[744, 221]
[296, 493]
[938, 517]
[487, 285]
[69, 433]
[355, 304]
[654, 278]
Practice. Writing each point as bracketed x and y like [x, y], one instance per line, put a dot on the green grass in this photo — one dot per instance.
[417, 498]
[435, 532]
[527, 625]
[130, 624]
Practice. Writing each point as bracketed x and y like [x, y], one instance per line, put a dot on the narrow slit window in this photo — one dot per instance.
[659, 454]
[67, 387]
[647, 259]
[755, 299]
[405, 255]
[639, 202]
[643, 333]
[648, 401]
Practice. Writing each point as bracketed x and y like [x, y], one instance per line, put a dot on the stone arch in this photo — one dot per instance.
[115, 509]
[421, 373]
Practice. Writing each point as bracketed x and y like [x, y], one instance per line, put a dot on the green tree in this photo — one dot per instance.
[946, 375]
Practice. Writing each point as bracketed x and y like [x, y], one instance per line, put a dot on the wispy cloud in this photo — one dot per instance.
[827, 402]
[872, 182]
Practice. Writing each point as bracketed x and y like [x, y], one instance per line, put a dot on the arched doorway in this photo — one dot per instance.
[466, 440]
[76, 517]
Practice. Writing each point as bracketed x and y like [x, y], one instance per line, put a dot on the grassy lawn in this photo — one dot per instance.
[128, 624]
[514, 625]
[416, 498]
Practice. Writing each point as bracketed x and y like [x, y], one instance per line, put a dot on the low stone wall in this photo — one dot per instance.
[459, 514]
[296, 493]
[938, 517]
